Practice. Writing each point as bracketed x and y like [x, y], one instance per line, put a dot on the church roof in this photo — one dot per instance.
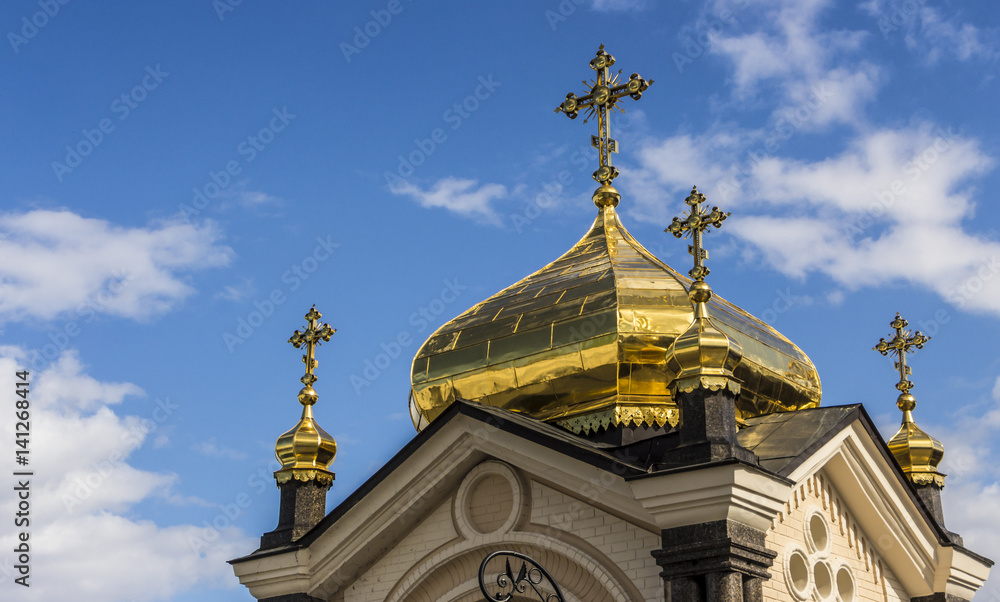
[782, 441]
[582, 342]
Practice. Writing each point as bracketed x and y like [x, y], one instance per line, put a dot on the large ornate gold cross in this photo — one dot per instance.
[311, 338]
[603, 96]
[697, 221]
[899, 345]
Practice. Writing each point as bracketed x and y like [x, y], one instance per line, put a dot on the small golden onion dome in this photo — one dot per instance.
[917, 453]
[306, 451]
[582, 342]
[703, 356]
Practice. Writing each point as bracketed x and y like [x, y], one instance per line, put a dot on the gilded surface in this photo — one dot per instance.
[602, 98]
[306, 450]
[917, 453]
[588, 334]
[702, 357]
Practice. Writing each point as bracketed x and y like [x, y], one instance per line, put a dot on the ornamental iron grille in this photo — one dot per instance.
[530, 578]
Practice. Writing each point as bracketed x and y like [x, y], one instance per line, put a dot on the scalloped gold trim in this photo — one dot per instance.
[926, 478]
[621, 415]
[712, 383]
[322, 477]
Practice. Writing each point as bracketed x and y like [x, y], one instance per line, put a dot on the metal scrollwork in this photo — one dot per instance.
[511, 582]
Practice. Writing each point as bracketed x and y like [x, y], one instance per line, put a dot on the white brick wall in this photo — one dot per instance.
[849, 544]
[556, 521]
[626, 545]
[578, 532]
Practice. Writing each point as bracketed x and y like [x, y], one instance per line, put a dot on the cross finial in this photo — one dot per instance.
[694, 224]
[310, 339]
[902, 343]
[602, 98]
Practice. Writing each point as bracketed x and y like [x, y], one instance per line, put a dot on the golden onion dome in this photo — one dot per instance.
[703, 356]
[583, 343]
[305, 451]
[917, 453]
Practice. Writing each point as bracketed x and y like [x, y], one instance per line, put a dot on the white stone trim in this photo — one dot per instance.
[737, 492]
[796, 592]
[424, 569]
[808, 526]
[886, 513]
[521, 503]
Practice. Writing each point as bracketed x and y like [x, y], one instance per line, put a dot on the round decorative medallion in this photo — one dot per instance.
[492, 498]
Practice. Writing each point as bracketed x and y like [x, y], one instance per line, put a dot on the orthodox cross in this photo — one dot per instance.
[602, 98]
[899, 345]
[694, 225]
[311, 338]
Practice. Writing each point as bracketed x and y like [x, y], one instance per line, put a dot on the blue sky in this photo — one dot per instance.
[183, 180]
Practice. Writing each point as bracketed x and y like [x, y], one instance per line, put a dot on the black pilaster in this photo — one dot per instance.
[720, 561]
[303, 504]
[707, 429]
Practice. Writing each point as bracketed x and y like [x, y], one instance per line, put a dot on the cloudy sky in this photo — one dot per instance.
[183, 180]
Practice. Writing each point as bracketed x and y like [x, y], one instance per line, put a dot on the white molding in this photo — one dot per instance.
[892, 521]
[430, 474]
[737, 492]
[851, 460]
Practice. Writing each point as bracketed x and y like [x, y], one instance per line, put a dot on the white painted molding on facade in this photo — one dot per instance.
[434, 471]
[959, 573]
[736, 492]
[852, 461]
[884, 510]
[616, 585]
[276, 575]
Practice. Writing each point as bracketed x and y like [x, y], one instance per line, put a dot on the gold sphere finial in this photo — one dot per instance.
[308, 396]
[606, 196]
[700, 292]
[906, 402]
[917, 453]
[306, 450]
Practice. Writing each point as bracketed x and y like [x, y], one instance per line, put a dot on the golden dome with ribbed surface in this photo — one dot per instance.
[583, 341]
[917, 453]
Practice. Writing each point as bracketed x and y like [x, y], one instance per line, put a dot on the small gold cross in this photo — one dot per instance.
[899, 345]
[311, 338]
[604, 94]
[697, 221]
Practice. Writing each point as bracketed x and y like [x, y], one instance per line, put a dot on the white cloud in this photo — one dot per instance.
[237, 292]
[889, 207]
[620, 5]
[790, 55]
[464, 197]
[214, 449]
[971, 496]
[84, 528]
[55, 263]
[238, 195]
[927, 32]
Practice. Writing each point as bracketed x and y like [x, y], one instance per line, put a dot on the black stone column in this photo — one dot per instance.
[707, 429]
[930, 495]
[303, 505]
[721, 561]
